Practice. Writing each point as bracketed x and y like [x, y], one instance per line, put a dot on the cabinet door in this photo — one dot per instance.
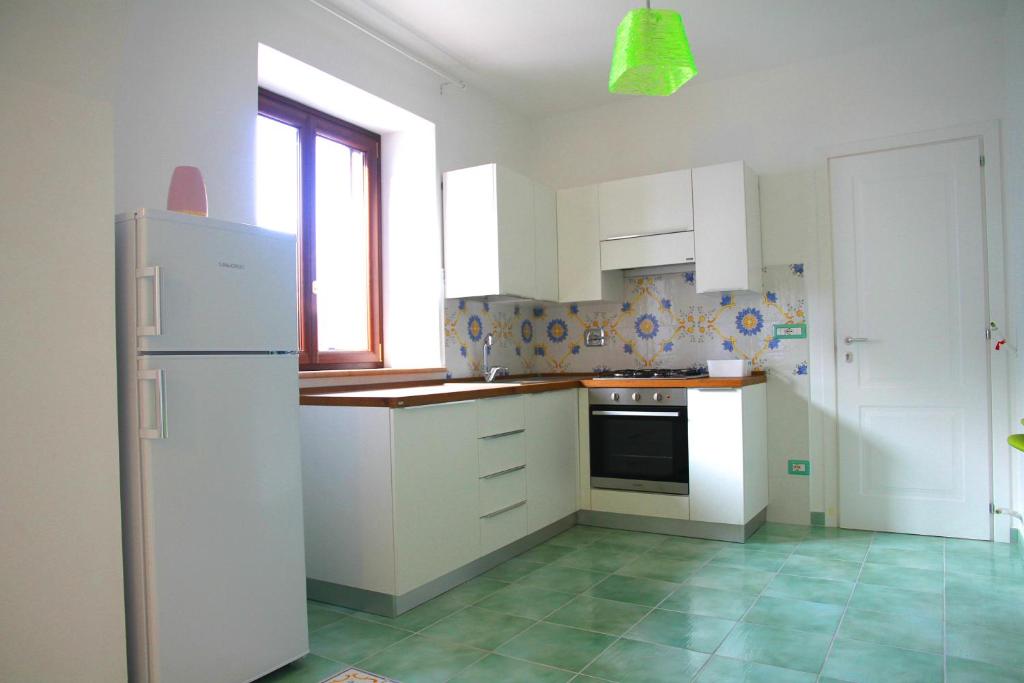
[515, 233]
[580, 277]
[545, 244]
[727, 228]
[471, 232]
[647, 204]
[435, 490]
[552, 456]
[716, 455]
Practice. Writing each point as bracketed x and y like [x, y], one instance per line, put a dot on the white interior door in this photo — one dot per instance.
[222, 501]
[912, 357]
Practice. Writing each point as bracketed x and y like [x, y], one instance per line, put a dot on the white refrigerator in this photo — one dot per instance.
[210, 471]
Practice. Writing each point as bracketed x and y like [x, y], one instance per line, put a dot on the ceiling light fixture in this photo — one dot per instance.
[652, 55]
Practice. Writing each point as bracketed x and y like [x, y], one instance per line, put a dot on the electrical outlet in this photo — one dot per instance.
[800, 468]
[790, 331]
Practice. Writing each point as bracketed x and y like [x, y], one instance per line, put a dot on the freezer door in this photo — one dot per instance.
[205, 285]
[222, 518]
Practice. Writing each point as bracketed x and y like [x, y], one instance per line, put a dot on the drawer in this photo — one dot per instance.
[500, 490]
[644, 252]
[502, 528]
[500, 415]
[498, 453]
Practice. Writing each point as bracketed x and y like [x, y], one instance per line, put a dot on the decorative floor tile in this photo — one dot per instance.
[309, 669]
[601, 616]
[726, 670]
[632, 589]
[633, 540]
[678, 629]
[579, 536]
[775, 544]
[852, 660]
[558, 646]
[908, 542]
[799, 615]
[421, 660]
[357, 676]
[630, 660]
[910, 632]
[800, 650]
[525, 601]
[833, 549]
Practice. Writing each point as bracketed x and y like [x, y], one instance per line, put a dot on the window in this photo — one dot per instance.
[318, 178]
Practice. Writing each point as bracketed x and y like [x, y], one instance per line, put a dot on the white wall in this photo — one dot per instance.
[61, 601]
[781, 122]
[188, 95]
[1013, 159]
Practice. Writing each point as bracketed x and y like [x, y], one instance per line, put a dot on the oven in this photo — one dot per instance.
[638, 440]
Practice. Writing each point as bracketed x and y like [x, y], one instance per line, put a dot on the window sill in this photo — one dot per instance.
[369, 372]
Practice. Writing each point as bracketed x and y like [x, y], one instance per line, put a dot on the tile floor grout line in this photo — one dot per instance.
[739, 621]
[846, 608]
[945, 655]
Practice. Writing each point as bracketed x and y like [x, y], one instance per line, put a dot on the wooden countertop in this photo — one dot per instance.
[427, 393]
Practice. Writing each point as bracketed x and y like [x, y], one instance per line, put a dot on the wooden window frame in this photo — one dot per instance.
[311, 123]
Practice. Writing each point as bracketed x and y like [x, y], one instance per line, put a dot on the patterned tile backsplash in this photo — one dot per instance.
[662, 323]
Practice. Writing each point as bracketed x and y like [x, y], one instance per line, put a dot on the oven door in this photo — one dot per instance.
[639, 448]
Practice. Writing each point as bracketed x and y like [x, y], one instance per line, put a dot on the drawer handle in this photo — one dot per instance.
[510, 470]
[498, 436]
[507, 508]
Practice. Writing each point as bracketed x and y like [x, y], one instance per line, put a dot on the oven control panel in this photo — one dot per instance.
[638, 397]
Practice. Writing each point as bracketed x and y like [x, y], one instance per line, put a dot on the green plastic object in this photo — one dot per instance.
[652, 55]
[1017, 440]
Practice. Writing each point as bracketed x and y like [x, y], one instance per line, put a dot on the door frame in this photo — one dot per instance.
[823, 409]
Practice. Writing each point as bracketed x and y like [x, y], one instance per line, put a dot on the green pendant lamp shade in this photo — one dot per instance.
[652, 55]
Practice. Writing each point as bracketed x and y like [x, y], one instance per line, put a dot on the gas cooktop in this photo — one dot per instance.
[655, 373]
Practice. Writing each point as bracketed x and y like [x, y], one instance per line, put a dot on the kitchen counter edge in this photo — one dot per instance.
[341, 396]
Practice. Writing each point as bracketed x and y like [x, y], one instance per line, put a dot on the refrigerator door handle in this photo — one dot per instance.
[156, 414]
[150, 272]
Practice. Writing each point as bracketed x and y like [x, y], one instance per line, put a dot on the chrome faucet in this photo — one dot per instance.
[490, 374]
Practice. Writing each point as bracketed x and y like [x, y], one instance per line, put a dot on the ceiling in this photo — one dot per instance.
[551, 56]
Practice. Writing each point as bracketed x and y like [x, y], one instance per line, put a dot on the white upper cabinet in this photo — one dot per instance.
[545, 244]
[580, 277]
[494, 226]
[727, 228]
[646, 205]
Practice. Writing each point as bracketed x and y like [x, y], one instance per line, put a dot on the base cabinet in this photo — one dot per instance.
[397, 498]
[434, 453]
[728, 454]
[551, 457]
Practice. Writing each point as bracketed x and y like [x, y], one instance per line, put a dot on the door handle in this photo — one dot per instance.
[856, 340]
[158, 430]
[153, 273]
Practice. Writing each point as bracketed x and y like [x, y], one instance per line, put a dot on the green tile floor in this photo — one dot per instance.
[793, 604]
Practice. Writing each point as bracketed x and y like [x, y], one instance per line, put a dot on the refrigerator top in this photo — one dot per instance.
[208, 223]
